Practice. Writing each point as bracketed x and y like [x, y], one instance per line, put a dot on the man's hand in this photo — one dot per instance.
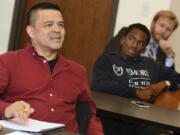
[19, 110]
[144, 94]
[166, 46]
[157, 88]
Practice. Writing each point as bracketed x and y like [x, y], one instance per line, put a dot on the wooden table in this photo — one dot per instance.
[5, 131]
[119, 107]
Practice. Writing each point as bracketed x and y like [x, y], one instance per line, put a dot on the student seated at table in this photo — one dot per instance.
[126, 73]
[37, 82]
[163, 25]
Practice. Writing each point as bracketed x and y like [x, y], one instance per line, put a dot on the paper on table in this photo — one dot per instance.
[18, 133]
[31, 126]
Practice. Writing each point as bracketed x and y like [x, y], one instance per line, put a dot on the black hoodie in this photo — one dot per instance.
[115, 75]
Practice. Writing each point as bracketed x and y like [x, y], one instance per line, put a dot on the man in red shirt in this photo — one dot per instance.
[39, 83]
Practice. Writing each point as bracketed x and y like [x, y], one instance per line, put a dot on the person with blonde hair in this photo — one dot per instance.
[159, 48]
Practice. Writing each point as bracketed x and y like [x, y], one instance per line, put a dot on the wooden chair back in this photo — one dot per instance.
[169, 99]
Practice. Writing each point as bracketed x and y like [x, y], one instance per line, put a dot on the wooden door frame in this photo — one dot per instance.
[17, 24]
[114, 16]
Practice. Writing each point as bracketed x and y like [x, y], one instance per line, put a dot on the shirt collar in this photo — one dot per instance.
[33, 52]
[153, 44]
[64, 62]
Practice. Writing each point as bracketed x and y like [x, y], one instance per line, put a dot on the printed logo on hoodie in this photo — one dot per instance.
[137, 78]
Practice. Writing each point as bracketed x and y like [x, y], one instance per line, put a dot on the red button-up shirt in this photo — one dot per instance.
[26, 76]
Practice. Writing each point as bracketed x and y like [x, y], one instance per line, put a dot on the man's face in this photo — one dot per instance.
[134, 43]
[162, 29]
[47, 33]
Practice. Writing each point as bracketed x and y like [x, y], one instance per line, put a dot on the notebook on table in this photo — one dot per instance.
[33, 126]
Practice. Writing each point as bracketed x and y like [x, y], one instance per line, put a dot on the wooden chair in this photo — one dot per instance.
[169, 99]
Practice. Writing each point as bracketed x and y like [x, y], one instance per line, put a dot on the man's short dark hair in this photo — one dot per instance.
[140, 27]
[40, 6]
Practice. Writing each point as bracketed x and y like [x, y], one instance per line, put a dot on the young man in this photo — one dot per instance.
[130, 75]
[39, 83]
[159, 48]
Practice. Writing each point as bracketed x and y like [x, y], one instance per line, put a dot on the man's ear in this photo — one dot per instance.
[30, 31]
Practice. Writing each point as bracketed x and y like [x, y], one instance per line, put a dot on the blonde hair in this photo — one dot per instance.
[167, 14]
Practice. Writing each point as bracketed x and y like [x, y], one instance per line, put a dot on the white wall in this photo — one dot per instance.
[175, 40]
[6, 14]
[132, 11]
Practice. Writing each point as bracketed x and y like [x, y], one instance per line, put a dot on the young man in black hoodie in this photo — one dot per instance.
[130, 75]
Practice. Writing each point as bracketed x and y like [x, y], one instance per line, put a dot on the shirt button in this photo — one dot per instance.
[52, 109]
[33, 53]
[44, 61]
[50, 94]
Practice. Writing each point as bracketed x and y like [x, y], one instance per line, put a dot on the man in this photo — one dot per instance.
[160, 49]
[130, 75]
[38, 83]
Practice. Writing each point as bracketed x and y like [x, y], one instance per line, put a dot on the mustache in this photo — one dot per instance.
[55, 35]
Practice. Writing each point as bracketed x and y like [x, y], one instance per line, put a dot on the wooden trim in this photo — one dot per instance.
[114, 16]
[17, 24]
